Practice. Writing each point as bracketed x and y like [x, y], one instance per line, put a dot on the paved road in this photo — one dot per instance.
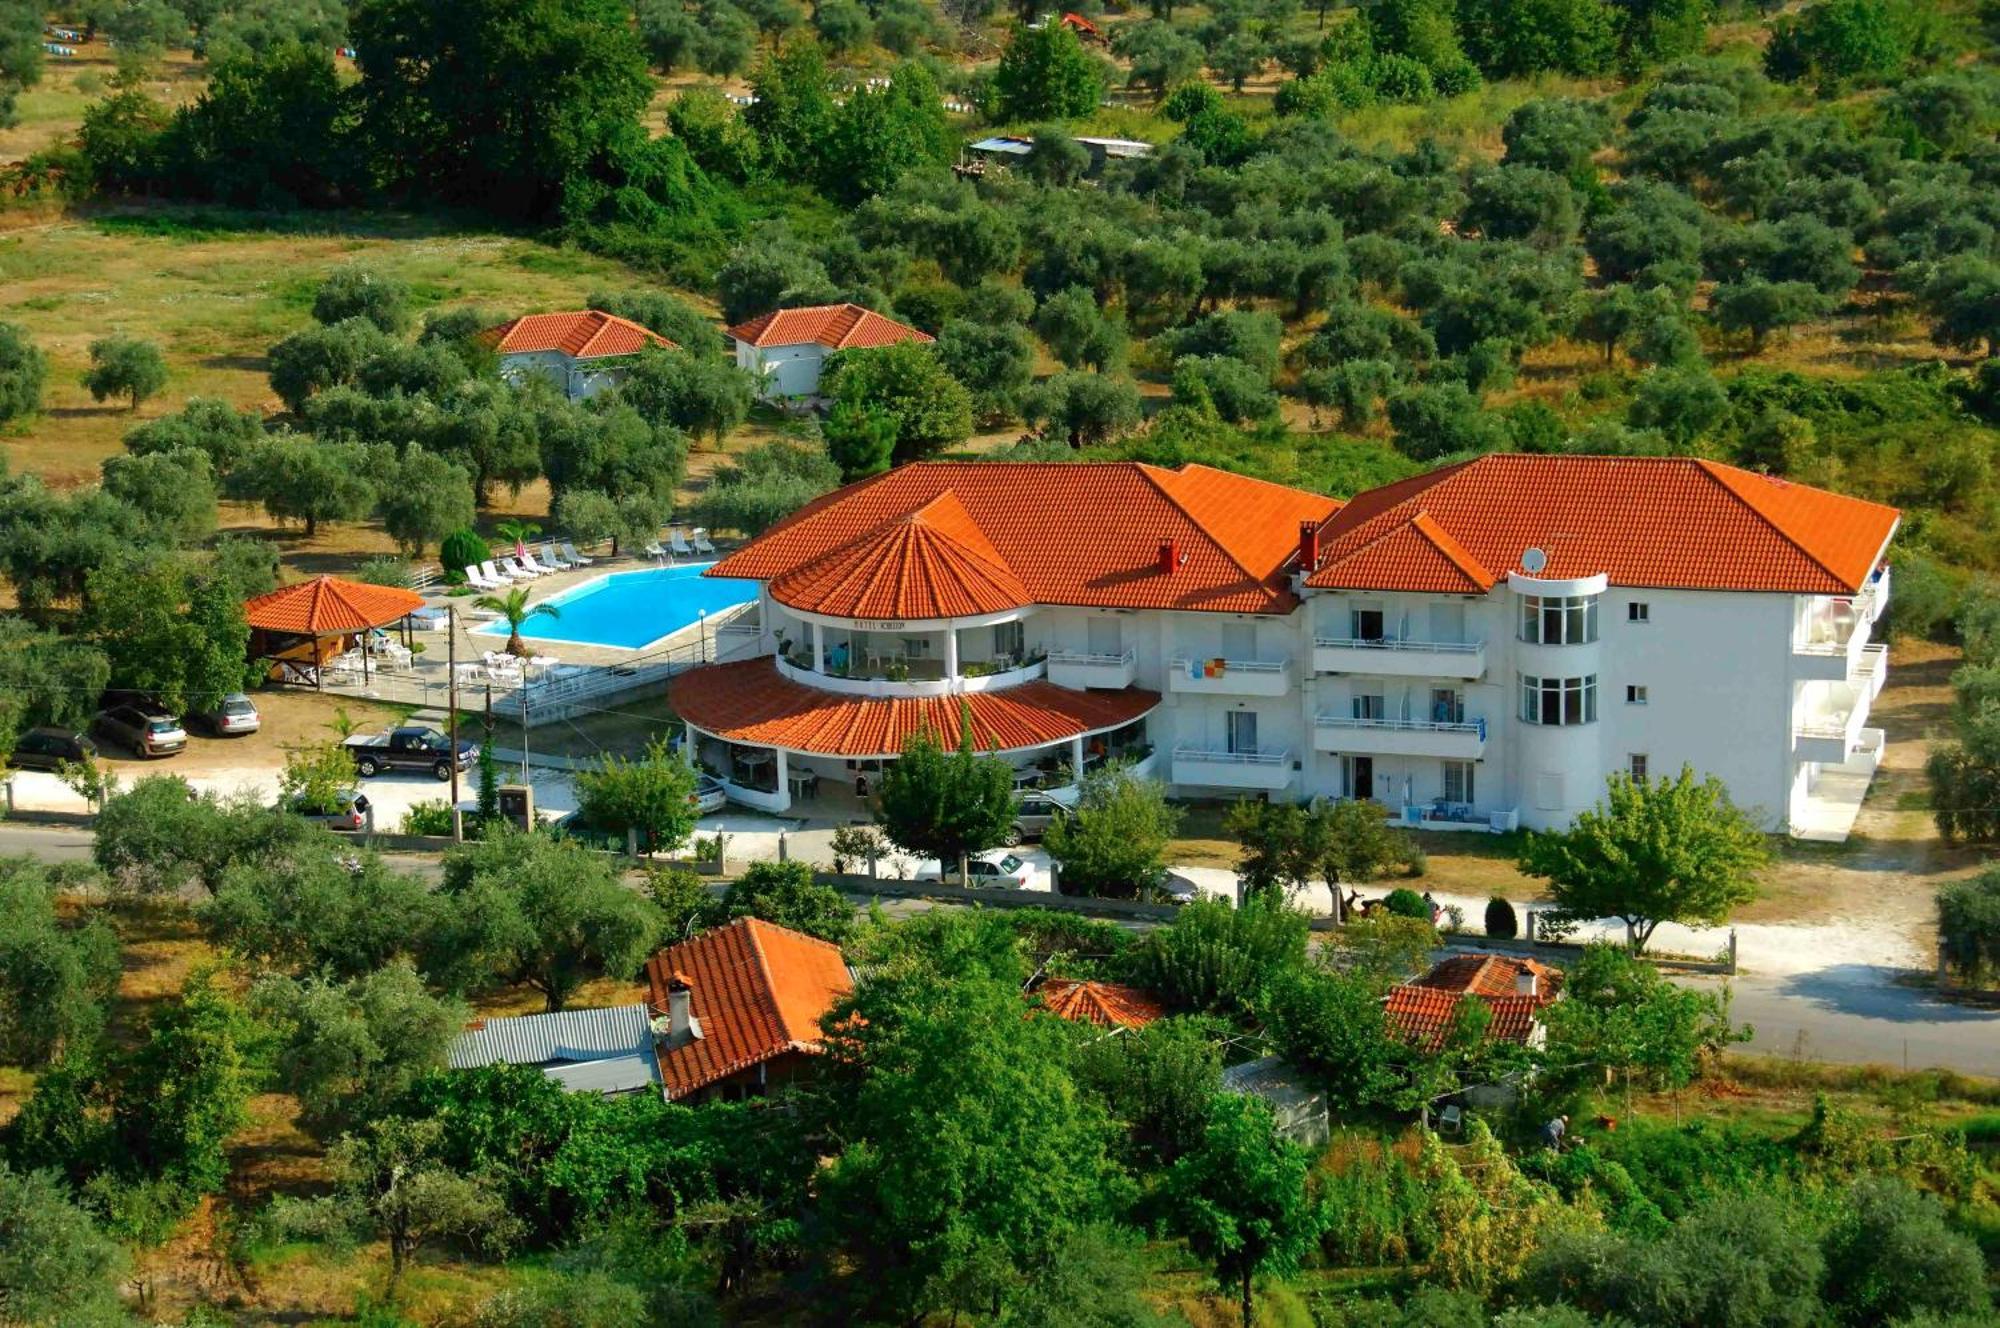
[1857, 1014]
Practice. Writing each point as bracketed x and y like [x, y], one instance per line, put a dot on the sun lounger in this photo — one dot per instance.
[551, 559]
[569, 552]
[700, 539]
[513, 568]
[527, 559]
[495, 576]
[678, 542]
[654, 550]
[478, 580]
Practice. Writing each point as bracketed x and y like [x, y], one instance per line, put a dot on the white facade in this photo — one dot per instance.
[578, 379]
[1423, 702]
[783, 371]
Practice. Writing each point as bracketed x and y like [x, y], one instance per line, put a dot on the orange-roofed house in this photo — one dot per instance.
[1106, 1004]
[1476, 649]
[737, 1010]
[785, 350]
[583, 352]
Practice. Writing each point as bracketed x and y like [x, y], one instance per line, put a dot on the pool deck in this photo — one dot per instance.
[427, 682]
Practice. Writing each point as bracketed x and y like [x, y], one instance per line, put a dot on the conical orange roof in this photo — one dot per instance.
[326, 605]
[933, 563]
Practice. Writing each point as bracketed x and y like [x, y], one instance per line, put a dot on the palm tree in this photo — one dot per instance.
[514, 607]
[518, 531]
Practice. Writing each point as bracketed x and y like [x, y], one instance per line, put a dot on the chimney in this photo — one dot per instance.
[1525, 982]
[680, 1005]
[1170, 557]
[1308, 546]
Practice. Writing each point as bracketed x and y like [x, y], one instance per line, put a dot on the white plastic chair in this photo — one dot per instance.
[478, 579]
[654, 550]
[495, 575]
[513, 568]
[528, 564]
[678, 542]
[569, 552]
[701, 540]
[551, 559]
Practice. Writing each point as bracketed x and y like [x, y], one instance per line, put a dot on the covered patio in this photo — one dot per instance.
[774, 742]
[328, 627]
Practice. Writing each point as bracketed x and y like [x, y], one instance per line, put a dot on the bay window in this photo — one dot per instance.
[1558, 701]
[1559, 620]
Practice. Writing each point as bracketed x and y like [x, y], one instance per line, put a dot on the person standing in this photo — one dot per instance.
[1553, 1132]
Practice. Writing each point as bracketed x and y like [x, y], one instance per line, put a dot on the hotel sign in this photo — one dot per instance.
[880, 626]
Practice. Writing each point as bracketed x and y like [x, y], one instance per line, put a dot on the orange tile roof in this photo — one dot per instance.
[1489, 975]
[834, 326]
[1669, 522]
[588, 334]
[1423, 1015]
[750, 701]
[327, 605]
[934, 563]
[758, 990]
[1084, 533]
[1111, 1004]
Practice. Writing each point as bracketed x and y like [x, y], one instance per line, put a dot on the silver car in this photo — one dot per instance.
[232, 717]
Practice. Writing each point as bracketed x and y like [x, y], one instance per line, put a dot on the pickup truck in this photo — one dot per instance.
[409, 749]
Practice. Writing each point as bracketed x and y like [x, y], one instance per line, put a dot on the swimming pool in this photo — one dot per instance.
[628, 610]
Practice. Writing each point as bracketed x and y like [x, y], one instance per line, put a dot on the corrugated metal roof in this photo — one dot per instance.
[566, 1036]
[630, 1073]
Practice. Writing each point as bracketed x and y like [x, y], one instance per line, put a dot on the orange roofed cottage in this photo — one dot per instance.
[737, 1009]
[786, 350]
[1476, 648]
[581, 352]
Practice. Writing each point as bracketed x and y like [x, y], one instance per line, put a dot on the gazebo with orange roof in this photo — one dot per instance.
[293, 625]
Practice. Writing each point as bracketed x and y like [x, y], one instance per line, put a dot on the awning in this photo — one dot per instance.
[751, 702]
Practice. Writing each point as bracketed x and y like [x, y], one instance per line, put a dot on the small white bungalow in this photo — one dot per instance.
[786, 349]
[583, 353]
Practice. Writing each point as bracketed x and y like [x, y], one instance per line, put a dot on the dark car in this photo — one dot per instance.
[409, 748]
[348, 812]
[142, 733]
[48, 748]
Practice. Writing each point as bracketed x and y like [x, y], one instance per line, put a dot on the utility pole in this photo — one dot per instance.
[451, 710]
[524, 725]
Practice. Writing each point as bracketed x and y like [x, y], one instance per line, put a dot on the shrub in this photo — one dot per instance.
[1407, 903]
[1500, 919]
[462, 549]
[431, 817]
[1969, 924]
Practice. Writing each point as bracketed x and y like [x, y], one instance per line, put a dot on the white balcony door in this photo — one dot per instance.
[1239, 640]
[1242, 732]
[1102, 636]
[1370, 705]
[1448, 622]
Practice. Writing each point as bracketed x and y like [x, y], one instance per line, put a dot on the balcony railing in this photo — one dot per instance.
[1083, 669]
[1268, 756]
[1235, 677]
[1267, 768]
[1457, 739]
[1085, 657]
[1388, 643]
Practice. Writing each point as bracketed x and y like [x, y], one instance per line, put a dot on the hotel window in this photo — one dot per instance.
[1558, 702]
[1369, 705]
[1008, 640]
[1635, 765]
[1638, 612]
[1564, 620]
[1635, 695]
[1458, 781]
[1365, 623]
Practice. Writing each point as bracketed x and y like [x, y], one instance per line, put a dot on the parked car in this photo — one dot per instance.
[1038, 811]
[708, 794]
[409, 749]
[1175, 888]
[143, 733]
[348, 812]
[48, 748]
[232, 717]
[1004, 873]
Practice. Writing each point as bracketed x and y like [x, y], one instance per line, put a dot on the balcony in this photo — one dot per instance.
[892, 680]
[1385, 658]
[1080, 670]
[1832, 731]
[1269, 769]
[1230, 677]
[1871, 671]
[1839, 633]
[1458, 740]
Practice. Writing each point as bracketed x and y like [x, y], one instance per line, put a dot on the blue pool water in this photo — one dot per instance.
[633, 609]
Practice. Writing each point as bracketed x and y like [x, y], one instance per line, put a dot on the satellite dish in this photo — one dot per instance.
[1534, 560]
